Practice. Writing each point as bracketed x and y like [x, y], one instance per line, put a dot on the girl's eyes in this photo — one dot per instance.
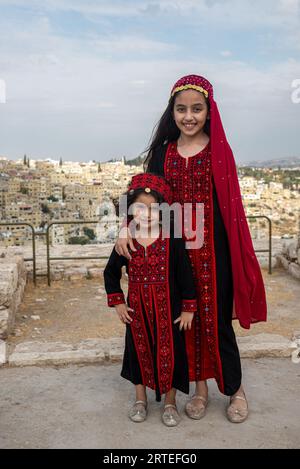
[196, 109]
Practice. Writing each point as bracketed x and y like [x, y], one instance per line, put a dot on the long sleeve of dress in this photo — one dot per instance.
[112, 278]
[184, 276]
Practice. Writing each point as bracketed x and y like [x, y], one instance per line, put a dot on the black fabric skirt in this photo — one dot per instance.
[228, 349]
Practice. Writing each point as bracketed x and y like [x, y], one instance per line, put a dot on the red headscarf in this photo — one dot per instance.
[249, 292]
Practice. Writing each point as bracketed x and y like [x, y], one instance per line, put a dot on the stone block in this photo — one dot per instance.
[264, 345]
[3, 354]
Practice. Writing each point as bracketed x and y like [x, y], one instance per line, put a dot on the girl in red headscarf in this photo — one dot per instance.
[161, 299]
[190, 150]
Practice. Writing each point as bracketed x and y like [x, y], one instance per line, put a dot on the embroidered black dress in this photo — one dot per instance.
[211, 345]
[160, 286]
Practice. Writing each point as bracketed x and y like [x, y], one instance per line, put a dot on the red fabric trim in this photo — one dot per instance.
[165, 350]
[140, 338]
[115, 299]
[147, 298]
[189, 306]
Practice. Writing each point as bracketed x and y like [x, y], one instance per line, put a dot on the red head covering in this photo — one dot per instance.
[193, 82]
[249, 292]
[149, 182]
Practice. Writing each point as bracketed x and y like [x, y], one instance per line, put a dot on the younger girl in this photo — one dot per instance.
[161, 301]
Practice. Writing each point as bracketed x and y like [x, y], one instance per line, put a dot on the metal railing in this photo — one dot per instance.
[270, 239]
[76, 222]
[33, 258]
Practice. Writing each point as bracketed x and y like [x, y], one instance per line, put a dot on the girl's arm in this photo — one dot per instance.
[112, 279]
[184, 277]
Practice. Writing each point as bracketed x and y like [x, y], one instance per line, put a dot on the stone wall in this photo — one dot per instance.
[76, 268]
[12, 285]
[289, 258]
[71, 269]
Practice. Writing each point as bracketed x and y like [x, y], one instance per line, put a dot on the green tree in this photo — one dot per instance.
[89, 232]
[78, 240]
[45, 208]
[52, 198]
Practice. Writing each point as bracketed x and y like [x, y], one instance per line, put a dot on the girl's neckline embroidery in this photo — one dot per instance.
[192, 156]
[145, 247]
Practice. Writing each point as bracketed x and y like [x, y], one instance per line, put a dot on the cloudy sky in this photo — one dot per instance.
[88, 79]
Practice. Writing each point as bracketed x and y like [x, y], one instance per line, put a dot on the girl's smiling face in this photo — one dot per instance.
[190, 112]
[145, 210]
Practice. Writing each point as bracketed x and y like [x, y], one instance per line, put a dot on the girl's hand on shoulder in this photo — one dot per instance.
[124, 240]
[123, 313]
[185, 320]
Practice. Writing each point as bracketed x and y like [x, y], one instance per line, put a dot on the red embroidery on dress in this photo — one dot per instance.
[115, 299]
[148, 278]
[189, 305]
[147, 298]
[191, 182]
[165, 351]
[139, 334]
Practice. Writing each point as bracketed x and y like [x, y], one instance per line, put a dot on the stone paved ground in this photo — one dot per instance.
[74, 310]
[86, 407]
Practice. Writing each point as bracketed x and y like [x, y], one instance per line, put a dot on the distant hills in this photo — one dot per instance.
[288, 162]
[135, 161]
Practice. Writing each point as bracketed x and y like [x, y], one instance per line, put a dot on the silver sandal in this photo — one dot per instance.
[194, 412]
[170, 416]
[237, 415]
[138, 411]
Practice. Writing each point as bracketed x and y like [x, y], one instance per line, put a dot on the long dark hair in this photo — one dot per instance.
[166, 130]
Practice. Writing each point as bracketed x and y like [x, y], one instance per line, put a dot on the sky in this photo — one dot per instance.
[88, 80]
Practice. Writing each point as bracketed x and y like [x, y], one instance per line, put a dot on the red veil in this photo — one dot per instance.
[249, 292]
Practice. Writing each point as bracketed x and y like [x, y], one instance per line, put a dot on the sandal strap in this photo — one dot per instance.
[141, 402]
[170, 405]
[196, 396]
[238, 397]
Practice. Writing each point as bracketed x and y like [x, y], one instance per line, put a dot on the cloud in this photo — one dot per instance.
[226, 53]
[98, 93]
[130, 43]
[233, 11]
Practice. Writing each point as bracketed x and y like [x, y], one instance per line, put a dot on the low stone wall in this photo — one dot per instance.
[289, 258]
[73, 269]
[12, 284]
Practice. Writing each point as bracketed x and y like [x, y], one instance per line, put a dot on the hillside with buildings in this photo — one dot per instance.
[43, 191]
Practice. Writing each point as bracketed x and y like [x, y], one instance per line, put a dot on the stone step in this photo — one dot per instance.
[111, 350]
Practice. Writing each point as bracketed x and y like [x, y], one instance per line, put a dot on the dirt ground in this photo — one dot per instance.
[70, 311]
